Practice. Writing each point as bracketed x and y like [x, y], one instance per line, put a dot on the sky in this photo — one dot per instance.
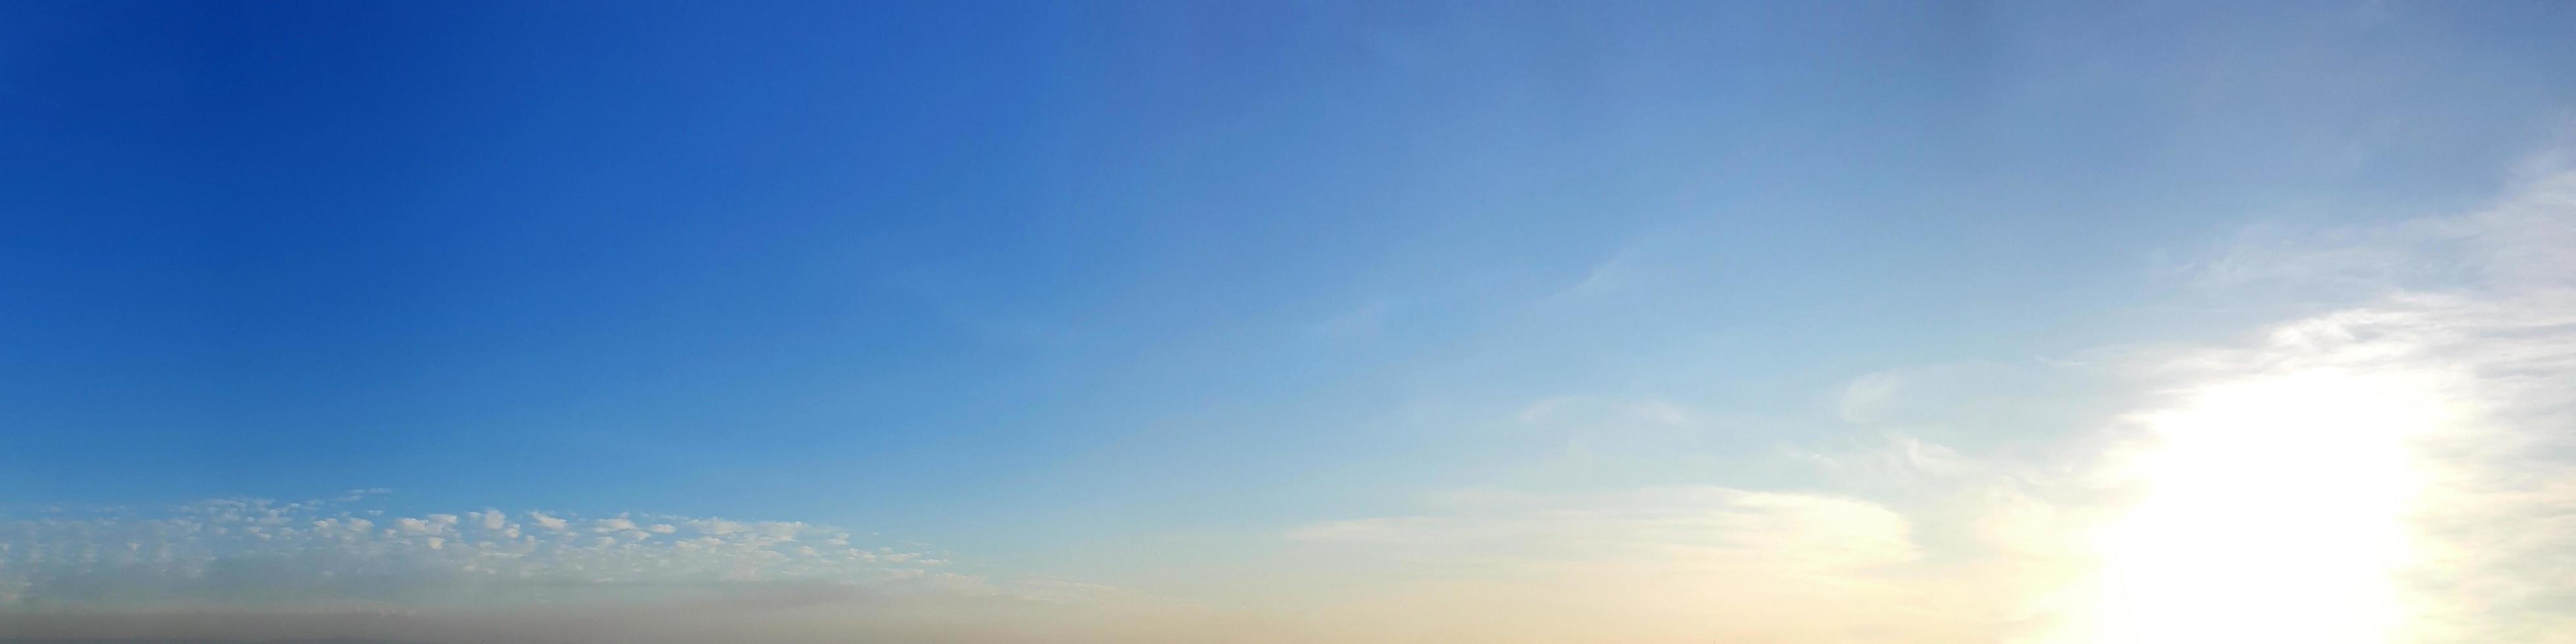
[2046, 323]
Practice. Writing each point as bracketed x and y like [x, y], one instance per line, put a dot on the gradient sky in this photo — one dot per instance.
[1193, 318]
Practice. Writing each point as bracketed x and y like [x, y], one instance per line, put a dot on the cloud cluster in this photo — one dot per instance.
[255, 551]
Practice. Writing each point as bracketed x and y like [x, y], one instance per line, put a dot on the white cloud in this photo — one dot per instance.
[549, 522]
[424, 526]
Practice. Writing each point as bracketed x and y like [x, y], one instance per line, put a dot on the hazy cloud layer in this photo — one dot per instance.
[256, 551]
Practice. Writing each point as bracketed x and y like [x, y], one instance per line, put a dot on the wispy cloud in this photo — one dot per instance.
[2388, 462]
[1664, 527]
[1362, 321]
[1665, 563]
[2391, 467]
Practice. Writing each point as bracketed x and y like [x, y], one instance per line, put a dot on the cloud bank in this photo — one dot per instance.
[240, 550]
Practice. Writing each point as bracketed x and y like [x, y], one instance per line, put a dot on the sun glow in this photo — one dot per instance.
[2276, 512]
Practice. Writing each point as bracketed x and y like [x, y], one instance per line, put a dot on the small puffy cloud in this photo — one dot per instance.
[424, 526]
[495, 522]
[549, 522]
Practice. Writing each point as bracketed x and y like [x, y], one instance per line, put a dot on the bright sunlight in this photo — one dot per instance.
[2275, 512]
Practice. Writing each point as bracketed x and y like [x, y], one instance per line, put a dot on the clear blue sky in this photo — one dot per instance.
[1070, 285]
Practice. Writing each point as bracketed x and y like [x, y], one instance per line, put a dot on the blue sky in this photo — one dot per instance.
[1151, 295]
